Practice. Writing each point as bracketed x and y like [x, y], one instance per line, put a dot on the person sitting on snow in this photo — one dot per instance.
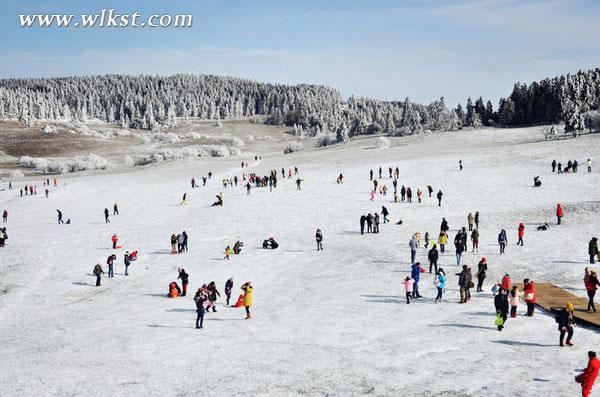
[174, 290]
[237, 247]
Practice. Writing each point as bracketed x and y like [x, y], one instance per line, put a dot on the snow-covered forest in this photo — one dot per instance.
[151, 102]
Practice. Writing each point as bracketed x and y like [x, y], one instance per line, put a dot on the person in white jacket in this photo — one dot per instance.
[515, 299]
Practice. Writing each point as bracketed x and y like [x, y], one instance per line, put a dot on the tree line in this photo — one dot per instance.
[157, 102]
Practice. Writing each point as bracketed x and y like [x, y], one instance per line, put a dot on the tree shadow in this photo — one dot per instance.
[520, 343]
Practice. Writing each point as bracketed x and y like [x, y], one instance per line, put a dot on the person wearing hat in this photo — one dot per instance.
[589, 375]
[501, 306]
[565, 321]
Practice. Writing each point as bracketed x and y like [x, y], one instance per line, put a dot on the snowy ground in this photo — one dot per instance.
[325, 323]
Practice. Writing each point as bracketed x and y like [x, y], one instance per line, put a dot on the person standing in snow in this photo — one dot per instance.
[408, 288]
[593, 249]
[439, 197]
[458, 244]
[433, 256]
[440, 283]
[369, 223]
[184, 242]
[98, 272]
[248, 290]
[212, 296]
[376, 223]
[559, 168]
[589, 165]
[185, 279]
[429, 190]
[464, 279]
[530, 296]
[127, 262]
[413, 244]
[501, 306]
[502, 241]
[200, 298]
[521, 234]
[371, 175]
[184, 199]
[402, 193]
[60, 217]
[319, 239]
[477, 219]
[363, 220]
[179, 243]
[106, 220]
[475, 240]
[115, 209]
[110, 261]
[588, 377]
[515, 299]
[565, 321]
[470, 221]
[173, 243]
[591, 285]
[443, 240]
[409, 195]
[553, 165]
[115, 240]
[380, 172]
[5, 216]
[416, 271]
[559, 213]
[481, 273]
[460, 166]
[228, 288]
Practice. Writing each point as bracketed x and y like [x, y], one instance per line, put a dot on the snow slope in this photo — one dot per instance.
[325, 323]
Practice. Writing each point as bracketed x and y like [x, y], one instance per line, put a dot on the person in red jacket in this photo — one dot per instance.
[530, 296]
[589, 375]
[559, 213]
[521, 231]
[591, 285]
[114, 240]
[506, 281]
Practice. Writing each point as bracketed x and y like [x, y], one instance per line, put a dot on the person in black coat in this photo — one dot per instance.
[385, 213]
[481, 274]
[553, 165]
[106, 213]
[565, 321]
[501, 305]
[185, 279]
[228, 288]
[444, 226]
[200, 298]
[433, 258]
[127, 262]
[363, 220]
[439, 197]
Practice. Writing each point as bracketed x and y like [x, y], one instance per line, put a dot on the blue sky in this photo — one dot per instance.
[380, 49]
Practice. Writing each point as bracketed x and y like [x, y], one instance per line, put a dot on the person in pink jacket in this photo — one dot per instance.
[408, 287]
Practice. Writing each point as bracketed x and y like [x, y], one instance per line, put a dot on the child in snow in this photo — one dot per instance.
[228, 288]
[440, 283]
[98, 272]
[408, 288]
[173, 244]
[228, 252]
[515, 299]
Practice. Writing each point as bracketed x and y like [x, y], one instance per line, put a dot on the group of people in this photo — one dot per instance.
[179, 243]
[571, 166]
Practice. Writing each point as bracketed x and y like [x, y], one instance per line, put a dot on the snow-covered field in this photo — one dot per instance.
[325, 323]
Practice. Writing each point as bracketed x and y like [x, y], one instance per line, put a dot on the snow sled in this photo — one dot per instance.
[240, 301]
[118, 247]
[174, 290]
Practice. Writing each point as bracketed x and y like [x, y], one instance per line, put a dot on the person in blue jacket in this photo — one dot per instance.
[440, 283]
[416, 271]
